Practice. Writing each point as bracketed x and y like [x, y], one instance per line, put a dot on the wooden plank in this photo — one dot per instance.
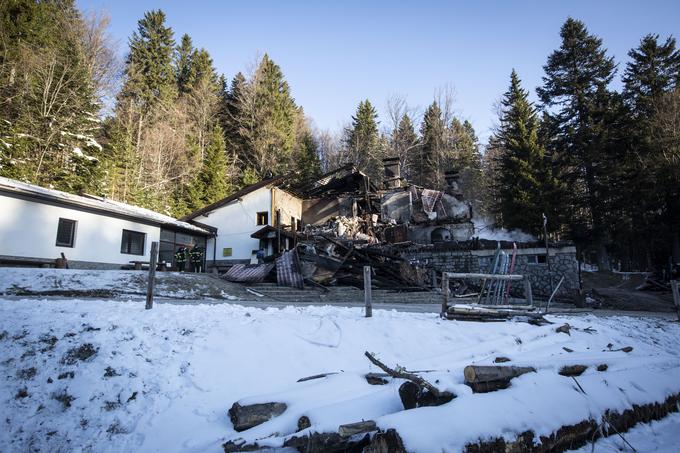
[152, 276]
[486, 276]
[445, 293]
[368, 295]
[675, 287]
[527, 292]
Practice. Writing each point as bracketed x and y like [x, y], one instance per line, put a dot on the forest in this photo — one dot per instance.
[163, 129]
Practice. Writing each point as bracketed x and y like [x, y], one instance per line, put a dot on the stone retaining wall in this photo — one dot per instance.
[530, 261]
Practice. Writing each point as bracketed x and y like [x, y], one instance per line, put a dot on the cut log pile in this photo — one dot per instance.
[415, 391]
[486, 314]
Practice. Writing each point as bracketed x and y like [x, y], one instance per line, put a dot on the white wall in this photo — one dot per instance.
[235, 222]
[29, 229]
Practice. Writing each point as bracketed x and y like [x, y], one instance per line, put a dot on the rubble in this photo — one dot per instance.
[348, 223]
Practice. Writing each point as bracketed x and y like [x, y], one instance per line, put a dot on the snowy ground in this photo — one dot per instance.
[105, 375]
[103, 283]
[659, 436]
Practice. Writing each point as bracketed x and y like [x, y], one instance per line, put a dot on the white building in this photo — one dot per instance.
[260, 216]
[39, 224]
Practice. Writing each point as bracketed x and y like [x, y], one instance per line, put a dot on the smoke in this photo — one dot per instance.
[484, 230]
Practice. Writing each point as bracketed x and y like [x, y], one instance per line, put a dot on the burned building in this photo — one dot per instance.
[407, 234]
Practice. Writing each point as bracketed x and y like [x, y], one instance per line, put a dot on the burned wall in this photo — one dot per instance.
[317, 211]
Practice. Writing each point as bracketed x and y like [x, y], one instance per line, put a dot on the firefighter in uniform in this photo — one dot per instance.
[181, 258]
[196, 256]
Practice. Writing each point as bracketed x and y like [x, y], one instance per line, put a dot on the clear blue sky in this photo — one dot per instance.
[335, 54]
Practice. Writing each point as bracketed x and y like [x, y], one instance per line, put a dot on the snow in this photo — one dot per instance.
[168, 284]
[79, 152]
[97, 203]
[661, 436]
[174, 371]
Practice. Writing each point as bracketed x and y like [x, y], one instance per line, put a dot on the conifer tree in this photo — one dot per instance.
[523, 182]
[149, 70]
[363, 141]
[214, 177]
[48, 101]
[307, 163]
[404, 144]
[575, 89]
[430, 169]
[651, 74]
[653, 70]
[183, 57]
[465, 146]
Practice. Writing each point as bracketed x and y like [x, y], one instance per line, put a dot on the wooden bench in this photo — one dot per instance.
[144, 265]
[18, 261]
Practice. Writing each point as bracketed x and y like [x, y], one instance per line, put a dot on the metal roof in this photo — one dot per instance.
[99, 205]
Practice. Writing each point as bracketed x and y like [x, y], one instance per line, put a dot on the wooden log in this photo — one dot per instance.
[245, 417]
[351, 429]
[376, 378]
[408, 393]
[327, 442]
[303, 423]
[501, 360]
[402, 374]
[572, 370]
[412, 396]
[316, 376]
[368, 295]
[152, 276]
[386, 442]
[564, 328]
[485, 373]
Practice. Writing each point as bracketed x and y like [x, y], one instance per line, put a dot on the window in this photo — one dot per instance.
[536, 259]
[226, 251]
[132, 243]
[262, 218]
[66, 233]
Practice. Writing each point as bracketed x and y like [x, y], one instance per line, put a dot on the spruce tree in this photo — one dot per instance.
[653, 70]
[647, 193]
[363, 141]
[574, 92]
[523, 182]
[183, 57]
[149, 68]
[213, 177]
[430, 171]
[404, 144]
[307, 162]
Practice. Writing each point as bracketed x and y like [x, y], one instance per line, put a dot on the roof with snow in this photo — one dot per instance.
[97, 204]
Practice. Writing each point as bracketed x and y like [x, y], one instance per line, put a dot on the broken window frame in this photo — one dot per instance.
[262, 218]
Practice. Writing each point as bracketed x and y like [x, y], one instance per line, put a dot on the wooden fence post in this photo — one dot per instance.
[445, 293]
[368, 295]
[675, 287]
[527, 291]
[152, 275]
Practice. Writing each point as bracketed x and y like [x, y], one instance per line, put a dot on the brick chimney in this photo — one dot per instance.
[392, 173]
